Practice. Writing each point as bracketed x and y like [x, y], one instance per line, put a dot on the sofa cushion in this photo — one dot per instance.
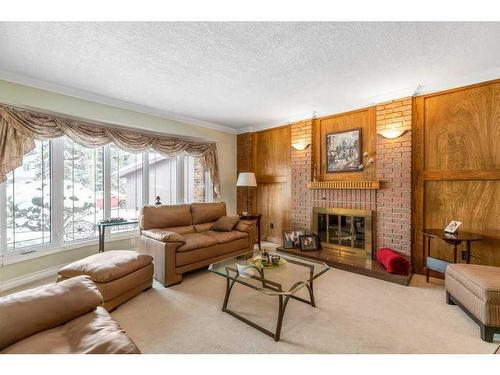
[31, 311]
[181, 230]
[244, 225]
[196, 241]
[214, 251]
[107, 266]
[165, 216]
[205, 212]
[163, 235]
[223, 237]
[203, 227]
[92, 333]
[225, 224]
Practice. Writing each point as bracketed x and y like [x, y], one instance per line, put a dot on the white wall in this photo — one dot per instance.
[27, 96]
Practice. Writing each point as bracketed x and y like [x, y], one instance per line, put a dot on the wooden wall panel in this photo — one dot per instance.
[245, 164]
[479, 212]
[456, 168]
[272, 152]
[364, 119]
[461, 129]
[271, 158]
[267, 154]
[273, 202]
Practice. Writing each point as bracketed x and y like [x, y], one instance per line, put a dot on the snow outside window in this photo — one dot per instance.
[28, 200]
[126, 186]
[83, 190]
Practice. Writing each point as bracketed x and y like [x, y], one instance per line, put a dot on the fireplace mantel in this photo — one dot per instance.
[365, 185]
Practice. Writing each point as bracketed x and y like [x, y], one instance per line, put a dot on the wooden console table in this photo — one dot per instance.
[451, 239]
[255, 218]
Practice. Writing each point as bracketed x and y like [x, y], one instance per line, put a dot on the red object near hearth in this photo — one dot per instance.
[393, 262]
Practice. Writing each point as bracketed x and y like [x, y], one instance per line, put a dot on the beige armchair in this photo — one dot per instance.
[180, 238]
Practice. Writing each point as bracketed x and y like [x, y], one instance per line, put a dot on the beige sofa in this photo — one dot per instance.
[65, 317]
[180, 239]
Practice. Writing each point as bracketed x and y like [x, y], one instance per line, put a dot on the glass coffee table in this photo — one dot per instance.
[282, 281]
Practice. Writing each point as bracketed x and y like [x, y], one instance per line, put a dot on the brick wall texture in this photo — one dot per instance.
[392, 203]
[301, 174]
[394, 171]
[199, 182]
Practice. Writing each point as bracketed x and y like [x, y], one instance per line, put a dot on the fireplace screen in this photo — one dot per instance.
[345, 230]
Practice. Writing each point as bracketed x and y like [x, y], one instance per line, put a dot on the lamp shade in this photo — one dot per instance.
[246, 179]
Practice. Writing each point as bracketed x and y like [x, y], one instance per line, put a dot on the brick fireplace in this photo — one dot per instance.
[345, 232]
[391, 203]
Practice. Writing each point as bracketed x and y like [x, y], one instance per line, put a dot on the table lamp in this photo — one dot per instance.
[246, 179]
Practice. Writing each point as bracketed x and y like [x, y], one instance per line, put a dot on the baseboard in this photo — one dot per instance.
[32, 277]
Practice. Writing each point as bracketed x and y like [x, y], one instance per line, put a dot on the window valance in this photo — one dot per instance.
[19, 128]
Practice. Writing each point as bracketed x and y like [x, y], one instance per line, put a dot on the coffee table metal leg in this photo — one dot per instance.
[281, 313]
[229, 286]
[282, 303]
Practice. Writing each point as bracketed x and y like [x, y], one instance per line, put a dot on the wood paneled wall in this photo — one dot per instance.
[267, 154]
[245, 164]
[456, 168]
[364, 119]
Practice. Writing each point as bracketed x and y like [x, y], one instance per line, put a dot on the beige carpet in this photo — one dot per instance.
[355, 314]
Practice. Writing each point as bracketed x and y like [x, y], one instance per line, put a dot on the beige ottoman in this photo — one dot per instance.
[476, 289]
[118, 274]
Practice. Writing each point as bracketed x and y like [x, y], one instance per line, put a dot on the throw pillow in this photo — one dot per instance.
[225, 223]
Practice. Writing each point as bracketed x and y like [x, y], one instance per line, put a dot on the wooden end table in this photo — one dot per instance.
[255, 218]
[451, 239]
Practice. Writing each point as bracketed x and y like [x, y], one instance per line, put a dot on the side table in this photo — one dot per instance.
[451, 239]
[255, 218]
[102, 230]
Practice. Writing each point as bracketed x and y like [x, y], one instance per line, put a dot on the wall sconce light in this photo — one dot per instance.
[299, 146]
[391, 133]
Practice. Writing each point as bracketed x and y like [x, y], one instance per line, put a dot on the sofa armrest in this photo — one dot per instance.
[35, 310]
[163, 235]
[250, 227]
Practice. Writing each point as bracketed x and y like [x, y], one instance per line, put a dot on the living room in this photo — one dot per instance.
[250, 187]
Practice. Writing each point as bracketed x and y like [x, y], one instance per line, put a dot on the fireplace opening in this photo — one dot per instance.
[347, 231]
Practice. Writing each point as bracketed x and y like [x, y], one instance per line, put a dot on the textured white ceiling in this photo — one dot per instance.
[243, 75]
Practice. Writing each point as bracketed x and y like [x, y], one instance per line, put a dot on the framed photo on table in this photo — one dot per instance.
[343, 151]
[291, 238]
[452, 227]
[309, 242]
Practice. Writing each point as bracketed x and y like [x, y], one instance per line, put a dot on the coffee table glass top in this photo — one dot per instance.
[286, 279]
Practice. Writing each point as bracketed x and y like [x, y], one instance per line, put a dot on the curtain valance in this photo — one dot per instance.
[19, 128]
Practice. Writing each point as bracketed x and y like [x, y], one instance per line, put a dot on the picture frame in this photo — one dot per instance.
[343, 151]
[291, 238]
[309, 242]
[452, 227]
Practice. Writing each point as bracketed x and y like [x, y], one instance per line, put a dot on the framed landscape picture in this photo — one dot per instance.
[343, 151]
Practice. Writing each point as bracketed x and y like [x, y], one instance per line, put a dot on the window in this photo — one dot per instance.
[28, 200]
[63, 189]
[125, 187]
[83, 190]
[197, 181]
[162, 178]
